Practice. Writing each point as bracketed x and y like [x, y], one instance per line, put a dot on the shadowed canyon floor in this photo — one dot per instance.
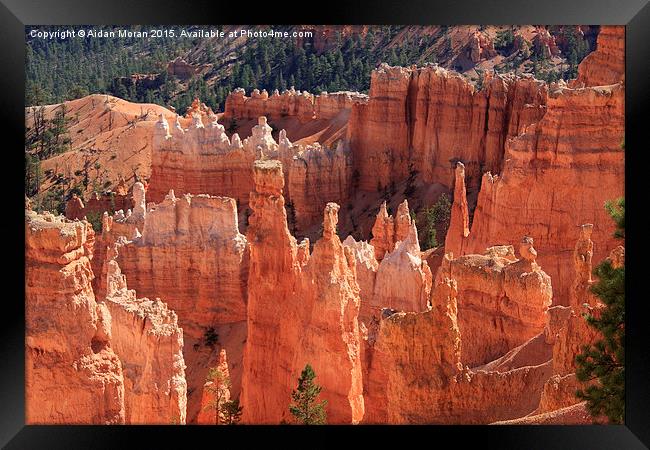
[288, 230]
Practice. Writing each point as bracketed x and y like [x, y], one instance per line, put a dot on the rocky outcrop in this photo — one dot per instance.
[191, 254]
[316, 176]
[406, 265]
[121, 224]
[183, 70]
[586, 147]
[388, 230]
[72, 375]
[458, 230]
[606, 65]
[571, 332]
[416, 118]
[501, 303]
[401, 259]
[147, 339]
[301, 308]
[413, 372]
[290, 103]
[201, 159]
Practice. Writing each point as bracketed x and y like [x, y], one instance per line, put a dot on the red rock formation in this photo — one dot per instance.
[148, 341]
[413, 372]
[501, 303]
[215, 391]
[74, 208]
[72, 375]
[388, 231]
[183, 70]
[300, 309]
[579, 138]
[317, 176]
[291, 103]
[544, 43]
[459, 222]
[367, 266]
[405, 264]
[199, 160]
[402, 260]
[418, 118]
[191, 254]
[571, 333]
[606, 65]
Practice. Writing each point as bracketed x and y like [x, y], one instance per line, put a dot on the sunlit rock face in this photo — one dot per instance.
[72, 375]
[302, 308]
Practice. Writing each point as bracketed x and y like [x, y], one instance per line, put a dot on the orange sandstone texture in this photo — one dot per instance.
[413, 372]
[501, 303]
[557, 175]
[401, 259]
[191, 254]
[72, 375]
[537, 192]
[426, 118]
[606, 65]
[302, 309]
[149, 342]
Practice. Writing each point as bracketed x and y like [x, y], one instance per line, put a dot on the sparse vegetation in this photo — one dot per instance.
[210, 337]
[436, 219]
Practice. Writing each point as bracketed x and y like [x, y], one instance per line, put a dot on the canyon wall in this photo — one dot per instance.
[290, 103]
[192, 254]
[396, 241]
[557, 174]
[413, 372]
[72, 375]
[147, 339]
[200, 159]
[113, 359]
[203, 160]
[302, 308]
[502, 302]
[606, 65]
[428, 118]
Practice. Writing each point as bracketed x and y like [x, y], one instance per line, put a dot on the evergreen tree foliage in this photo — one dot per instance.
[306, 408]
[219, 388]
[436, 219]
[232, 412]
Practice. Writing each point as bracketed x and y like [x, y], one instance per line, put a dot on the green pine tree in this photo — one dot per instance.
[305, 407]
[602, 364]
[231, 412]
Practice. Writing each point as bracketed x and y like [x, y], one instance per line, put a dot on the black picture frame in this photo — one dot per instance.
[15, 14]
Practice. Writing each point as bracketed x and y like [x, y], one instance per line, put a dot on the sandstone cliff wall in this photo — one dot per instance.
[290, 103]
[413, 372]
[149, 342]
[557, 175]
[191, 254]
[302, 309]
[501, 303]
[427, 118]
[72, 375]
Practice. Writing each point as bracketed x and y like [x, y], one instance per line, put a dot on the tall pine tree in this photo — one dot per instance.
[305, 407]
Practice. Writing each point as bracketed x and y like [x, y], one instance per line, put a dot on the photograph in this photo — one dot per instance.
[325, 224]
